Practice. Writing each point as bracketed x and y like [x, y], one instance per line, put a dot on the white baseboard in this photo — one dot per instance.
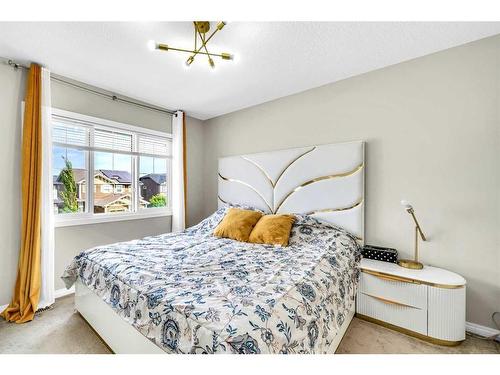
[3, 307]
[481, 330]
[64, 292]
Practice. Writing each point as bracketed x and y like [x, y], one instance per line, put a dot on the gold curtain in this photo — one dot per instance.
[27, 290]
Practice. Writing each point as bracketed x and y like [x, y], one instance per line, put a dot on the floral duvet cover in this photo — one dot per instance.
[191, 292]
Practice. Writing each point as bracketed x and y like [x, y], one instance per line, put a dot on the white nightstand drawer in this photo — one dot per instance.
[392, 289]
[427, 303]
[411, 318]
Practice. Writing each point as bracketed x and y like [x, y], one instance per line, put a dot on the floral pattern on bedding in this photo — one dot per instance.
[191, 292]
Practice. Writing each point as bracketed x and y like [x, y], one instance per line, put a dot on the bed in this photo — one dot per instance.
[191, 292]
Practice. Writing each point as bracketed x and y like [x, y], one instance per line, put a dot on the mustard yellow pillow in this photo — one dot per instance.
[237, 224]
[272, 230]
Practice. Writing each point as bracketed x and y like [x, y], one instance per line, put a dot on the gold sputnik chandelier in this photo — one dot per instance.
[201, 29]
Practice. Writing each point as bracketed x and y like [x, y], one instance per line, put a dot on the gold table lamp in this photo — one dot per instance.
[413, 263]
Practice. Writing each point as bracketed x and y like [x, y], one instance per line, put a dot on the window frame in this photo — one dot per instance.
[89, 217]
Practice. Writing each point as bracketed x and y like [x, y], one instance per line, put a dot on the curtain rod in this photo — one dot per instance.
[113, 97]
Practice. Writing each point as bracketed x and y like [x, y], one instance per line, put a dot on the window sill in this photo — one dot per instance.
[60, 222]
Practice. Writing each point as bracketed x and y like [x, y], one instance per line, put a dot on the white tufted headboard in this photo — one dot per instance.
[325, 181]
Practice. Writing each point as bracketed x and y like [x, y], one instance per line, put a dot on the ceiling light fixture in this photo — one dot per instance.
[201, 29]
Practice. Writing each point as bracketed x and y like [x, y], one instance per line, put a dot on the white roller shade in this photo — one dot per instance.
[70, 134]
[112, 140]
[154, 146]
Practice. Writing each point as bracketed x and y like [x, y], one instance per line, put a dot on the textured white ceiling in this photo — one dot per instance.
[272, 59]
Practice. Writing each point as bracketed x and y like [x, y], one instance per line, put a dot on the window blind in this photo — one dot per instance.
[154, 146]
[108, 139]
[112, 140]
[70, 134]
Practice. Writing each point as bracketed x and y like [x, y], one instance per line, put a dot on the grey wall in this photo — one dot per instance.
[71, 240]
[75, 100]
[432, 132]
[194, 160]
[11, 95]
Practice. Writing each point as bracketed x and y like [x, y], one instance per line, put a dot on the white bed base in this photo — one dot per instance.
[122, 338]
[325, 181]
[117, 334]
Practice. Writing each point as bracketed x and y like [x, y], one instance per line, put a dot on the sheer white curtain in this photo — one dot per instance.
[178, 202]
[47, 220]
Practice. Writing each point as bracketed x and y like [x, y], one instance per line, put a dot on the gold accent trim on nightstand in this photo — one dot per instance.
[405, 331]
[390, 302]
[386, 276]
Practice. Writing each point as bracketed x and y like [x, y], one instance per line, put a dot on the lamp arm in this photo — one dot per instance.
[422, 235]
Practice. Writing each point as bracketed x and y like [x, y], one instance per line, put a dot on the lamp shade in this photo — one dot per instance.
[151, 45]
[406, 204]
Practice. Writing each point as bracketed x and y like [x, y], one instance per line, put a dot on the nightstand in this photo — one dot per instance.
[428, 304]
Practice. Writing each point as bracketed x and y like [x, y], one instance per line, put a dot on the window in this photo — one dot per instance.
[69, 166]
[105, 188]
[128, 169]
[153, 172]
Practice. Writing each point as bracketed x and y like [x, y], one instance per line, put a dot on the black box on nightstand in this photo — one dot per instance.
[384, 254]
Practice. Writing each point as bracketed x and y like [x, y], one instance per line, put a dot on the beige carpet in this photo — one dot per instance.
[61, 330]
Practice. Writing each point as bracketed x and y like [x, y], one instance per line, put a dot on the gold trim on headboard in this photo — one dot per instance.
[317, 179]
[260, 169]
[292, 162]
[273, 184]
[335, 209]
[249, 186]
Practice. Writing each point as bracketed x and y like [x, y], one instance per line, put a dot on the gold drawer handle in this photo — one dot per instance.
[389, 302]
[391, 278]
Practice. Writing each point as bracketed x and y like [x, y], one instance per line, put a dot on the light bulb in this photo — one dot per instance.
[406, 204]
[189, 61]
[152, 45]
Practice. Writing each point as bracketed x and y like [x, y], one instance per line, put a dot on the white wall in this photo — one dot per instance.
[432, 131]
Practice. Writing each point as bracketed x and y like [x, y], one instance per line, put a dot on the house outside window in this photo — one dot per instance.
[105, 188]
[115, 158]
